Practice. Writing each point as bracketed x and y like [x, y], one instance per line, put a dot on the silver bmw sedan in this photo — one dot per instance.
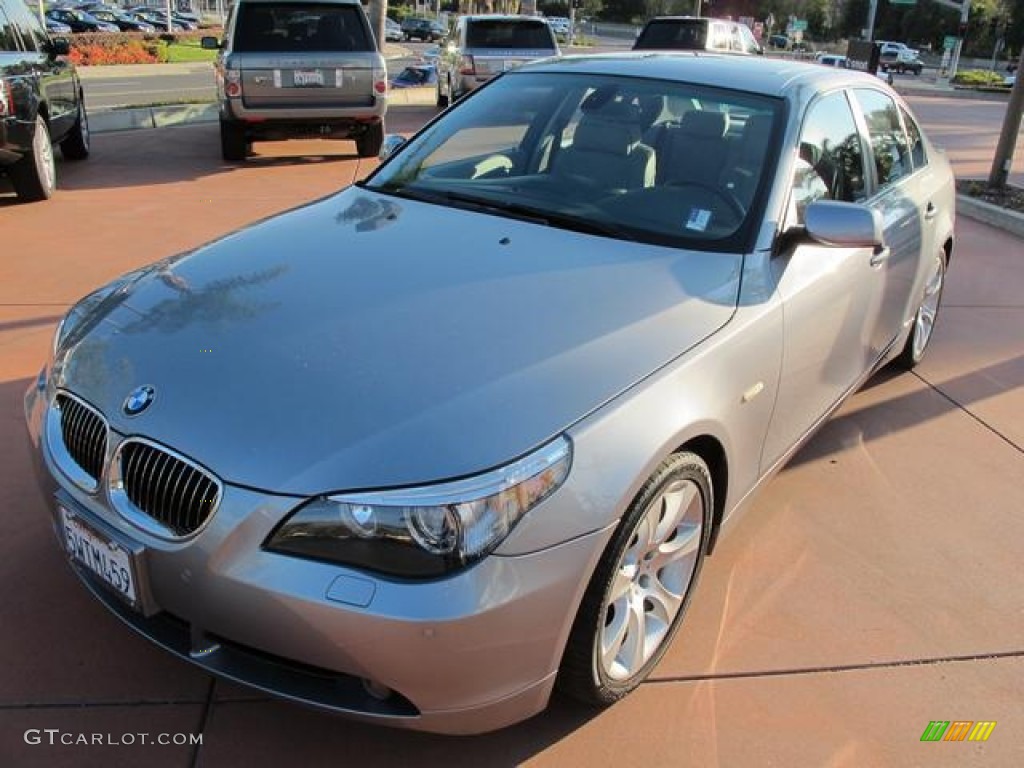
[462, 434]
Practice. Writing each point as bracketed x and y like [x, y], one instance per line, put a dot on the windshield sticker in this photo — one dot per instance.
[699, 219]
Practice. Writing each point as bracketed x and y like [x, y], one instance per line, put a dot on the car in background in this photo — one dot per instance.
[483, 46]
[41, 103]
[692, 33]
[779, 42]
[560, 25]
[158, 18]
[123, 21]
[831, 60]
[426, 30]
[496, 403]
[80, 21]
[392, 30]
[295, 69]
[55, 27]
[415, 76]
[899, 58]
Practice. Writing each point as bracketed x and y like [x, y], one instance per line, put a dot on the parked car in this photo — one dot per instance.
[470, 427]
[780, 42]
[415, 76]
[54, 27]
[898, 58]
[80, 21]
[289, 69]
[123, 21]
[487, 45]
[831, 60]
[427, 30]
[690, 33]
[392, 30]
[158, 18]
[41, 103]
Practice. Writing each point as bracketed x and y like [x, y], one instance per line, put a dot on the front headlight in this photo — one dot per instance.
[428, 531]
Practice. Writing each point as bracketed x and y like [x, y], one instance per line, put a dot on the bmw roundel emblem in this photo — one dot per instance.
[138, 400]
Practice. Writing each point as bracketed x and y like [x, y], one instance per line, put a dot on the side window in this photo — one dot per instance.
[917, 152]
[8, 38]
[719, 37]
[888, 142]
[28, 26]
[831, 163]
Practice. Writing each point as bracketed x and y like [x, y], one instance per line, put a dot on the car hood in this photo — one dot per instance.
[365, 341]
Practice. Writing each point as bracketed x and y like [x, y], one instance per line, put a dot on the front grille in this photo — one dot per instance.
[84, 434]
[165, 487]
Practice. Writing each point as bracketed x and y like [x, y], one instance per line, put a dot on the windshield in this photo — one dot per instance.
[297, 27]
[508, 33]
[676, 34]
[648, 160]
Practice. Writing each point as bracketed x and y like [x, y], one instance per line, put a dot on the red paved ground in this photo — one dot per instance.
[876, 586]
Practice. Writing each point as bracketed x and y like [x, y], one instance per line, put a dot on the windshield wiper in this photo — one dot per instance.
[510, 209]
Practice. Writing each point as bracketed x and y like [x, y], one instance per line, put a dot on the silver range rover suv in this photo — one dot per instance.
[299, 69]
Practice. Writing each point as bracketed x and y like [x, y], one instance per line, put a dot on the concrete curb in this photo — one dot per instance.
[134, 118]
[151, 117]
[993, 215]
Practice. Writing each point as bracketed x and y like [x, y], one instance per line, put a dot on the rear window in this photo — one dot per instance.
[293, 28]
[675, 34]
[501, 33]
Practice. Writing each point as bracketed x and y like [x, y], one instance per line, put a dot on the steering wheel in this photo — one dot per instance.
[730, 199]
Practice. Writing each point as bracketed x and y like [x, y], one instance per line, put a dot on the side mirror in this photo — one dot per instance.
[844, 225]
[391, 144]
[59, 46]
[209, 43]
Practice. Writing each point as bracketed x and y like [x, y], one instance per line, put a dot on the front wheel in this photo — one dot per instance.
[927, 312]
[369, 142]
[34, 176]
[75, 145]
[642, 585]
[442, 98]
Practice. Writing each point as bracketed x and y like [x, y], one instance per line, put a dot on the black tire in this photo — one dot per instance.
[927, 313]
[34, 176]
[368, 144]
[233, 144]
[75, 146]
[583, 674]
[442, 98]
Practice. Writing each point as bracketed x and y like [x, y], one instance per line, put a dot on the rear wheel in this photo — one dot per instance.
[369, 142]
[924, 318]
[34, 176]
[233, 144]
[75, 145]
[642, 585]
[442, 98]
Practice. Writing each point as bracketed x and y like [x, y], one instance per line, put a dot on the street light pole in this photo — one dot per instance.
[872, 10]
[965, 10]
[1011, 127]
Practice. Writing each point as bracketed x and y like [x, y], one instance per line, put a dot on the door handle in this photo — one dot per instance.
[930, 212]
[880, 256]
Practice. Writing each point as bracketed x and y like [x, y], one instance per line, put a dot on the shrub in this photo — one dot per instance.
[978, 77]
[98, 48]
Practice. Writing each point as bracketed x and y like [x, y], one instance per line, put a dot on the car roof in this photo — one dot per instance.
[502, 17]
[771, 77]
[298, 2]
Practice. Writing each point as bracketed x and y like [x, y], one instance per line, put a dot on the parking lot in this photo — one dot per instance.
[875, 587]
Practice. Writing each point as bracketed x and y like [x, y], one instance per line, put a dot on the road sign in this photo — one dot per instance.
[949, 42]
[798, 25]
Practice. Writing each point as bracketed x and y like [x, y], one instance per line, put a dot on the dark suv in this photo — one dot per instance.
[427, 30]
[40, 103]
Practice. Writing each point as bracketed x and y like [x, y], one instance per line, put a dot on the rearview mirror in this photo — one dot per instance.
[844, 225]
[59, 46]
[209, 43]
[391, 144]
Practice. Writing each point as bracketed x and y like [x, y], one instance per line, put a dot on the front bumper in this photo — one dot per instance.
[466, 654]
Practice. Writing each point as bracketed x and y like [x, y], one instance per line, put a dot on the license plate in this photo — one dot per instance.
[107, 559]
[304, 78]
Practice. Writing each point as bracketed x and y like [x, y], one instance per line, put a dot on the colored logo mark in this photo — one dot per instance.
[958, 730]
